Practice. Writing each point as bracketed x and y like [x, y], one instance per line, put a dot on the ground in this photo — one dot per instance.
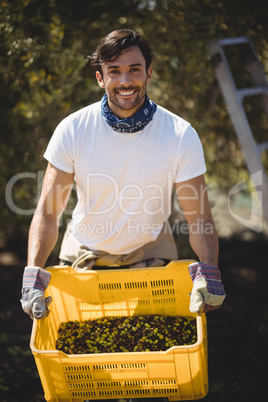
[237, 333]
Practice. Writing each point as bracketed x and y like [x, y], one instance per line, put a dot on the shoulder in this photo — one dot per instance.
[76, 124]
[167, 116]
[172, 124]
[82, 115]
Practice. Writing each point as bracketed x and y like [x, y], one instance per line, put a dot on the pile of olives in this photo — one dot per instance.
[126, 334]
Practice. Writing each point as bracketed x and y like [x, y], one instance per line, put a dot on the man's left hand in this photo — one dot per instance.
[208, 291]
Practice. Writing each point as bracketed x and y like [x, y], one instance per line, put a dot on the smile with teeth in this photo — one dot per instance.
[126, 93]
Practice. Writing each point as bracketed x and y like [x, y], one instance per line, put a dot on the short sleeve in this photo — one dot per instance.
[191, 161]
[60, 150]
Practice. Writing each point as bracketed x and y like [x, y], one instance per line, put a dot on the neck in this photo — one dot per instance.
[121, 113]
[128, 122]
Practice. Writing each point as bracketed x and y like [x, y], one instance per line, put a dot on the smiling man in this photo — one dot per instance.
[125, 82]
[126, 155]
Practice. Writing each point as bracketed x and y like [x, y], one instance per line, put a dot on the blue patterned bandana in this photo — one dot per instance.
[132, 124]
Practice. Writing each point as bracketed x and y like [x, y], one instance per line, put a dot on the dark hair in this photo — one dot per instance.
[115, 43]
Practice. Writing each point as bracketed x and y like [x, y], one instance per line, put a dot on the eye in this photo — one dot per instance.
[114, 72]
[135, 69]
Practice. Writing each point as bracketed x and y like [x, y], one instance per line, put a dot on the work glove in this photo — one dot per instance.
[35, 281]
[208, 291]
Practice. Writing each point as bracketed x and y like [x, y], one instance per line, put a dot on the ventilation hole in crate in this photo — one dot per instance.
[83, 394]
[138, 303]
[114, 306]
[162, 283]
[166, 300]
[163, 292]
[91, 315]
[108, 384]
[102, 367]
[89, 306]
[80, 385]
[116, 313]
[79, 377]
[133, 392]
[114, 392]
[164, 391]
[91, 311]
[76, 368]
[164, 382]
[136, 383]
[110, 286]
[143, 303]
[133, 366]
[135, 285]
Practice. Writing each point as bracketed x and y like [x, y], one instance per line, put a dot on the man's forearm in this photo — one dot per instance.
[43, 236]
[204, 242]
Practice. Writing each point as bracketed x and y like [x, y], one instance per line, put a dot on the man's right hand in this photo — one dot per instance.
[33, 301]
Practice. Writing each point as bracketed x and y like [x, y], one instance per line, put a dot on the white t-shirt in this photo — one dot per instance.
[124, 181]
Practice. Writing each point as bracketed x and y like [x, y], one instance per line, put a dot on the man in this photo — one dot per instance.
[126, 155]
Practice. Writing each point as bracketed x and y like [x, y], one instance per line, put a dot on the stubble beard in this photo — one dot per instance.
[136, 103]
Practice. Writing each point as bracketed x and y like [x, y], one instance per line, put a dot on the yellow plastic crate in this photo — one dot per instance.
[180, 373]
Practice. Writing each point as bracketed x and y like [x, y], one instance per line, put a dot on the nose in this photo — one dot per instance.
[125, 79]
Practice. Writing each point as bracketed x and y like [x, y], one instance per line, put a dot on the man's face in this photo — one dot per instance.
[125, 82]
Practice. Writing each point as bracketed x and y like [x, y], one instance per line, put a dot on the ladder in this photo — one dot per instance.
[234, 98]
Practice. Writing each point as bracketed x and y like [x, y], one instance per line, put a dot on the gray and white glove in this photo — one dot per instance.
[34, 283]
[208, 291]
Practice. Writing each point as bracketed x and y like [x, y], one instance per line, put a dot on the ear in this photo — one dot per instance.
[99, 79]
[149, 74]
